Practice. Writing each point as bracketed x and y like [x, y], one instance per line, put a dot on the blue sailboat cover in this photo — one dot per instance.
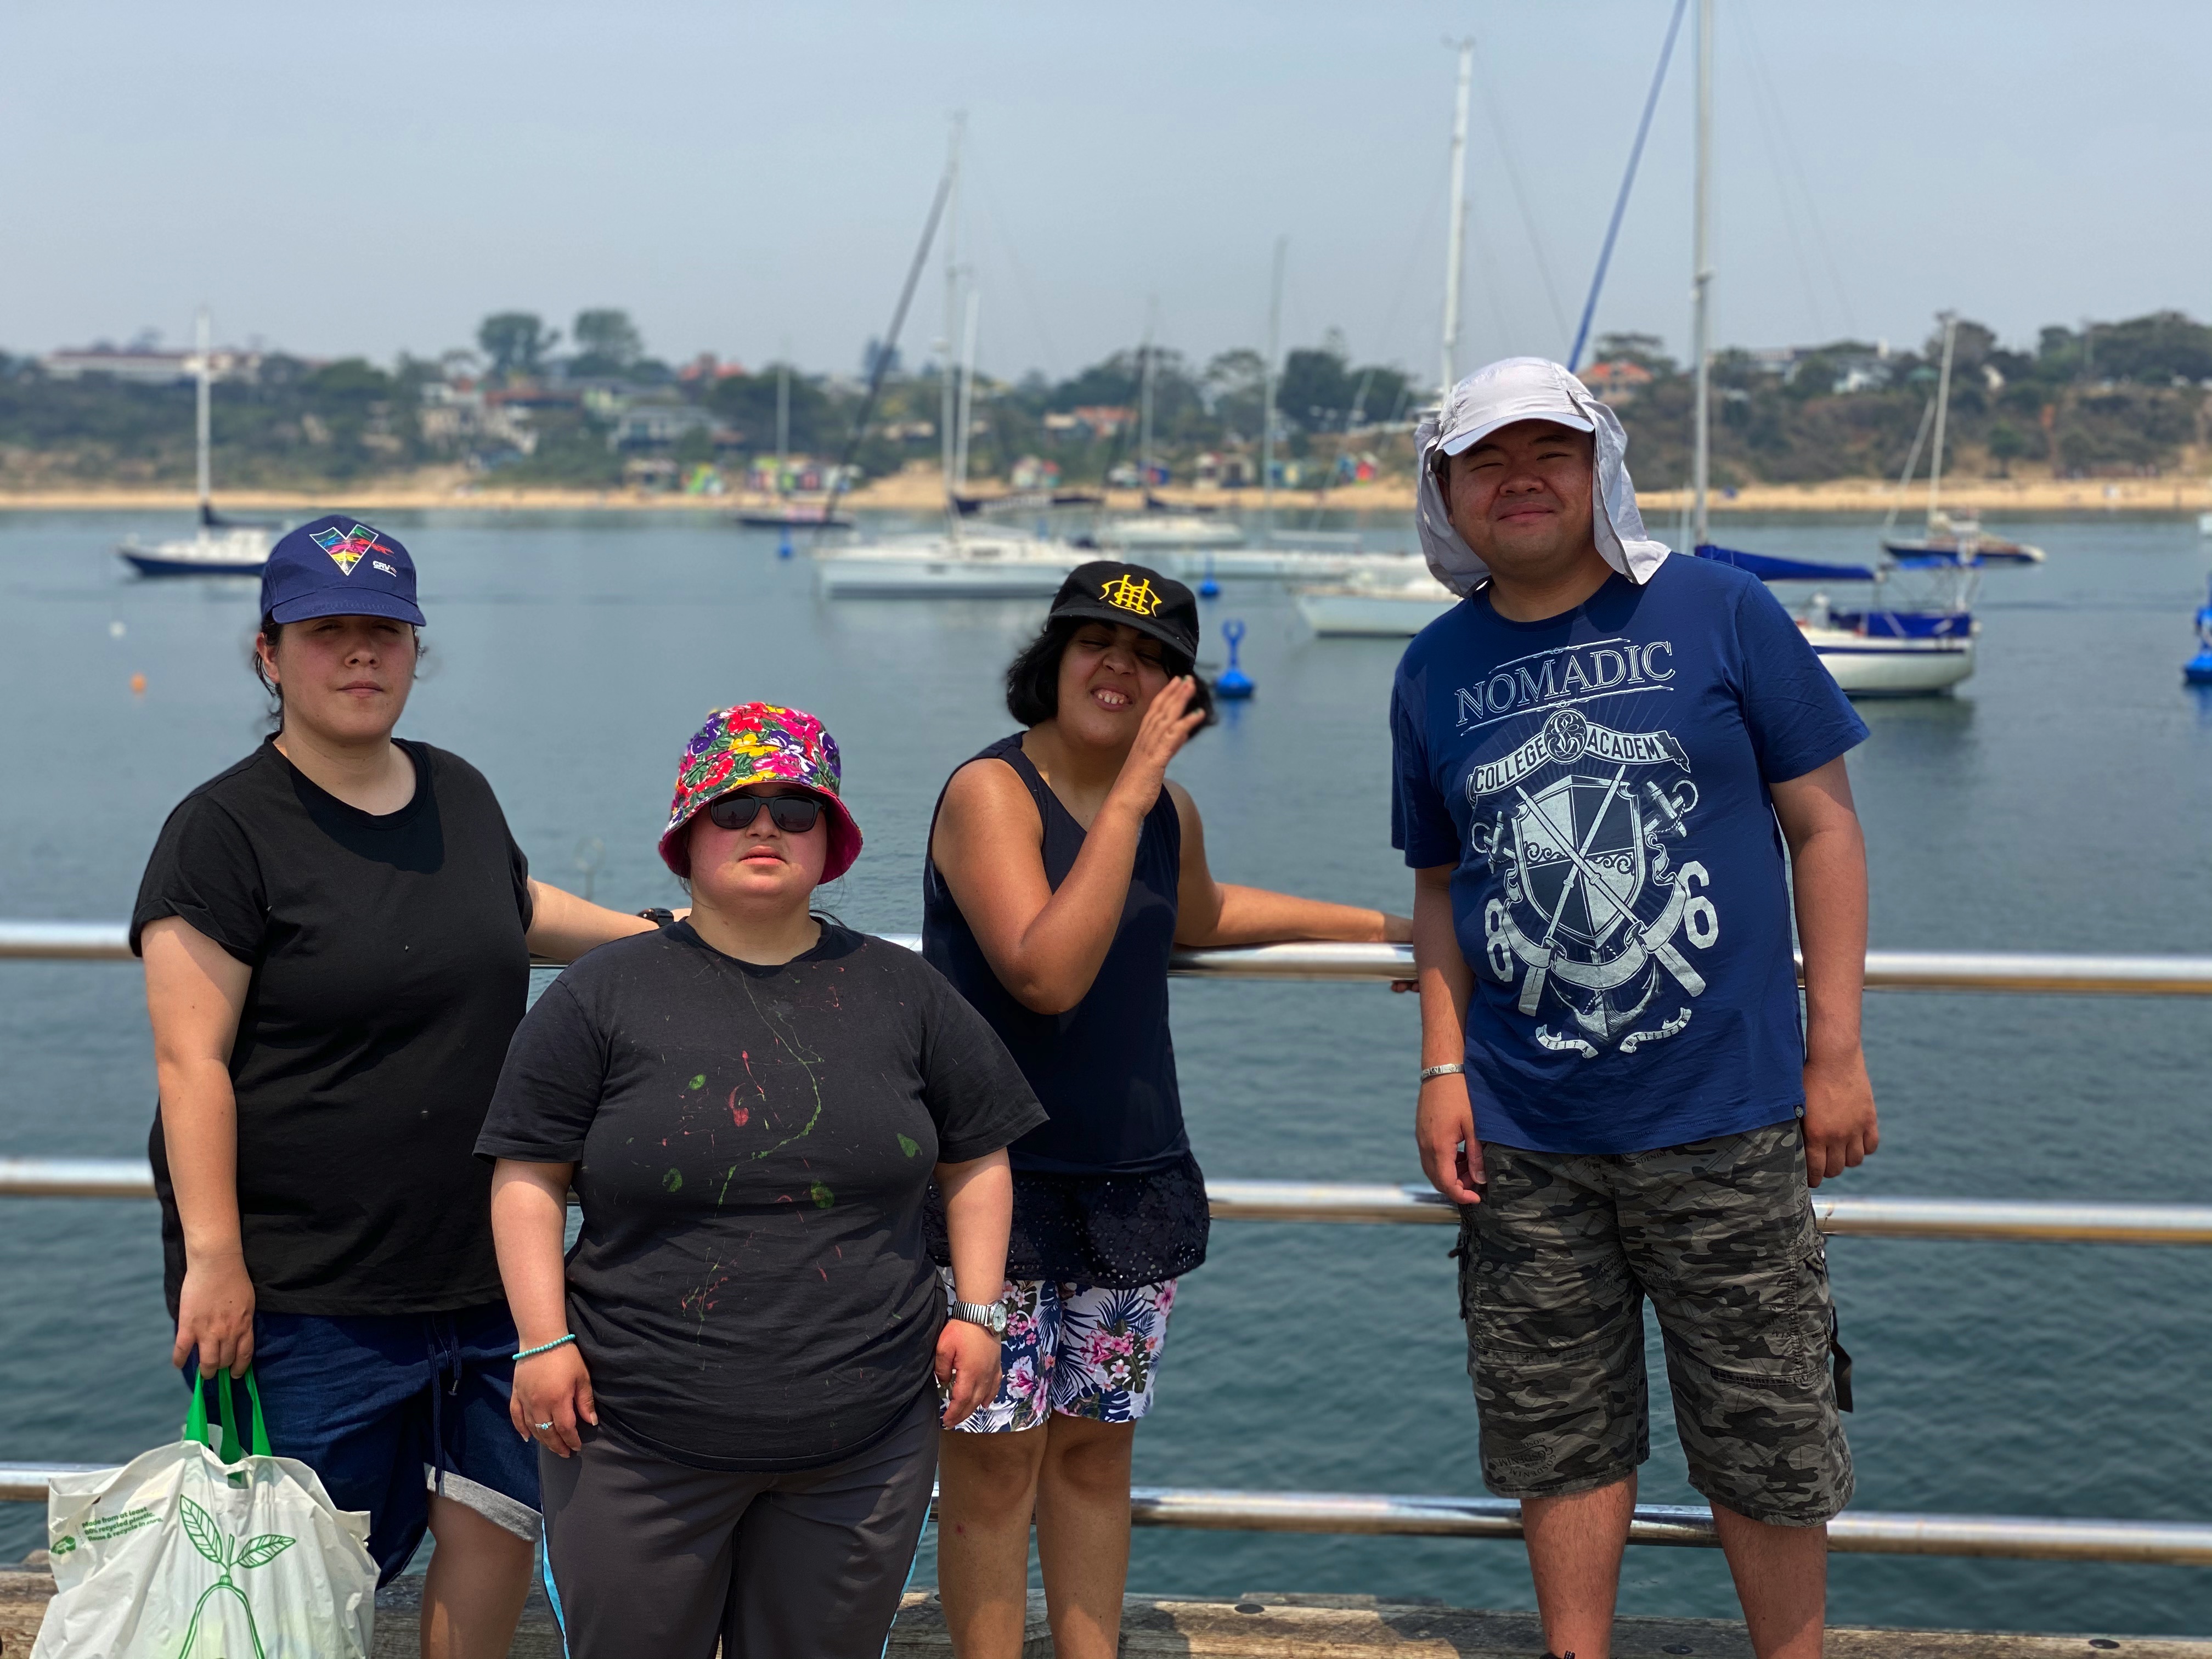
[1768, 568]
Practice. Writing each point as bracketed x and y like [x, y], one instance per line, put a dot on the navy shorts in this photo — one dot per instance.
[389, 1408]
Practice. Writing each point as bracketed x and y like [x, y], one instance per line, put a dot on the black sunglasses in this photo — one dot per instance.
[792, 814]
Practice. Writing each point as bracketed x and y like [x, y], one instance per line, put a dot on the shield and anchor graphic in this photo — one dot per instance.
[1583, 850]
[1581, 855]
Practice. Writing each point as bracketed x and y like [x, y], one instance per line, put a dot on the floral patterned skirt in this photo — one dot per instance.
[1075, 1350]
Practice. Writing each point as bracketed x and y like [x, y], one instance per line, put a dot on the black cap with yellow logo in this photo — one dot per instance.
[1108, 590]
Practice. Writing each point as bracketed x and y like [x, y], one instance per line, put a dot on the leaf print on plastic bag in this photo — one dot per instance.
[200, 1527]
[258, 1551]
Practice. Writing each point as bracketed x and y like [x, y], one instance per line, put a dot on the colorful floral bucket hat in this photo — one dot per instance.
[759, 743]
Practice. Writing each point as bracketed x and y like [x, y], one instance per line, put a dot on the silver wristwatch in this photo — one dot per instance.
[1456, 1068]
[991, 1316]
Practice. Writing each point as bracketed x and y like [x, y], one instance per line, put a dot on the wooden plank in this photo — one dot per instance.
[1267, 1624]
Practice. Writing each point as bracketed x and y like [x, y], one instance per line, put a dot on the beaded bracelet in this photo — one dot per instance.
[557, 1342]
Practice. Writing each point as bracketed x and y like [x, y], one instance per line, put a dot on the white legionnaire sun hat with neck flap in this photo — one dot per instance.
[1529, 389]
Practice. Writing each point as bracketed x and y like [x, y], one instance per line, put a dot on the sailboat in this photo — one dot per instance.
[1161, 525]
[221, 547]
[956, 561]
[1956, 537]
[1395, 597]
[1913, 633]
[791, 512]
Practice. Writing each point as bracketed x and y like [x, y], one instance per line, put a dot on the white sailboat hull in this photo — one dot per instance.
[1282, 564]
[1871, 667]
[941, 566]
[1169, 530]
[1395, 610]
[237, 552]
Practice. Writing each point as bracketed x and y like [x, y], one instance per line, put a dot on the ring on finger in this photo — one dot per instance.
[542, 1428]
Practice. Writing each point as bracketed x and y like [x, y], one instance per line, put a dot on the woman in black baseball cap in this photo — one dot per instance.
[1063, 870]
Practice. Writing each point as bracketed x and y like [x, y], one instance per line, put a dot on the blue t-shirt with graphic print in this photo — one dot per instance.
[1599, 780]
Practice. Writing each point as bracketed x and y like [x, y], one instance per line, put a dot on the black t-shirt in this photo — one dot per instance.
[749, 1289]
[389, 971]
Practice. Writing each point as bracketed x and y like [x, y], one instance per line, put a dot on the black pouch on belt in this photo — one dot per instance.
[1839, 1361]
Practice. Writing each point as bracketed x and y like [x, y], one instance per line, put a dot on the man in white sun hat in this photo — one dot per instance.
[1593, 753]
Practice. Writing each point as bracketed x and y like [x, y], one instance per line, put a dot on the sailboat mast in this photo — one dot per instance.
[1701, 280]
[967, 384]
[1912, 460]
[947, 340]
[1267, 384]
[782, 418]
[1145, 401]
[1950, 321]
[1455, 241]
[201, 426]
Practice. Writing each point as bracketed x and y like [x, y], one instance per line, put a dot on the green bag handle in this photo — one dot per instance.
[225, 1445]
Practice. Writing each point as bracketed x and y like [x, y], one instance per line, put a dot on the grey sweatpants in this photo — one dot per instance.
[644, 1556]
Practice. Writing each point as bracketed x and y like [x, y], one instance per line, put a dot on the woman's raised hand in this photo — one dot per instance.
[1166, 726]
[552, 1393]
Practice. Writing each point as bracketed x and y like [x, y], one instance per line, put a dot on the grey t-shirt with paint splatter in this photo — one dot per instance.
[751, 1289]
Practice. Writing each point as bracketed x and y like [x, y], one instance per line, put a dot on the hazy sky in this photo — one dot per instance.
[370, 178]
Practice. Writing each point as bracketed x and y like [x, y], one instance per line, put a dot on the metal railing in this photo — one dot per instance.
[2020, 1220]
[1860, 1532]
[1886, 970]
[2019, 1537]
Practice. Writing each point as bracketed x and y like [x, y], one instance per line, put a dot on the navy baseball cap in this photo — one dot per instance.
[338, 567]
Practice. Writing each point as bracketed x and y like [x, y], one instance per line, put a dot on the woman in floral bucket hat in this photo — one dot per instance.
[734, 1379]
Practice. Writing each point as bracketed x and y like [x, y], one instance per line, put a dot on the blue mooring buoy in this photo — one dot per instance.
[1207, 587]
[783, 542]
[2197, 671]
[1234, 681]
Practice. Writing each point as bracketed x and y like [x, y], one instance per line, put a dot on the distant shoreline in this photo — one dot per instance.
[919, 492]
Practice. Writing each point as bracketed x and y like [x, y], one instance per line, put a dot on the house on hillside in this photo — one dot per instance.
[649, 426]
[459, 413]
[147, 367]
[1091, 420]
[1617, 382]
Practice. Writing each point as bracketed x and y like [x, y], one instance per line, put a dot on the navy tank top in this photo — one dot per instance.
[1105, 1069]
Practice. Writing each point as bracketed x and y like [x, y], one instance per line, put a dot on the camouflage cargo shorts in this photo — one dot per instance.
[1554, 1265]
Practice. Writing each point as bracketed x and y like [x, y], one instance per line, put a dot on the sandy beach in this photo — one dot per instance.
[917, 490]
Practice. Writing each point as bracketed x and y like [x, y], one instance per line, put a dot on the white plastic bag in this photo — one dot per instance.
[182, 1555]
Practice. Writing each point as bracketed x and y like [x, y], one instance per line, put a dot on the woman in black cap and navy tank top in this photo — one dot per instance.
[1063, 870]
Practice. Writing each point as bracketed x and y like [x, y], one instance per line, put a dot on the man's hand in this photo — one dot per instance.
[1841, 1129]
[967, 1369]
[1444, 1127]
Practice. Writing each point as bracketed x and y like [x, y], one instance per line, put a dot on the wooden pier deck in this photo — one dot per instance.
[1269, 1625]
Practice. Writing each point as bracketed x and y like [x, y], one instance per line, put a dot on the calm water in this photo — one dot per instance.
[2061, 802]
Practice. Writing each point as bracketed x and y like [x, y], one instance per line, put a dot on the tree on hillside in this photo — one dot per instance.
[747, 402]
[1113, 381]
[1314, 391]
[1644, 350]
[516, 342]
[1970, 346]
[2153, 350]
[607, 343]
[1234, 383]
[1118, 380]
